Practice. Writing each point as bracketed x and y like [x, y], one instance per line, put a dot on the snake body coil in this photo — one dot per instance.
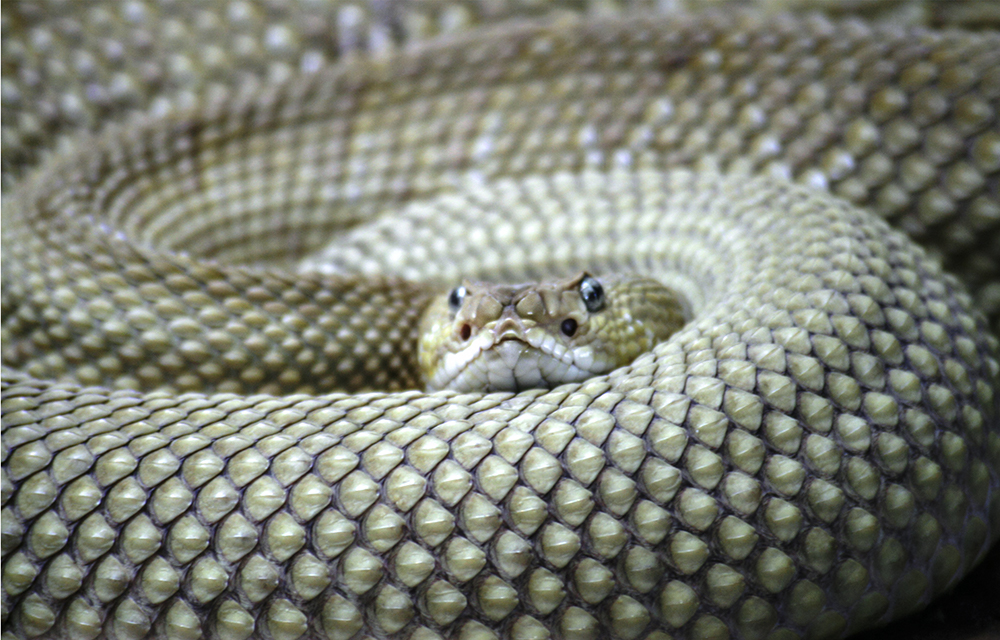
[199, 441]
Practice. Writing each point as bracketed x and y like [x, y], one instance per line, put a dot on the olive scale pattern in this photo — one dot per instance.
[817, 452]
[901, 120]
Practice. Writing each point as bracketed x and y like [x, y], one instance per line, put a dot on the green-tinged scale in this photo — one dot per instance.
[212, 422]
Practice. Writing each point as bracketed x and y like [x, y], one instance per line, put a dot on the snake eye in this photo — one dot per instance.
[592, 293]
[456, 297]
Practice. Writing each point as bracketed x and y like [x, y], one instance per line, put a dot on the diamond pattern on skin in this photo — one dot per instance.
[813, 413]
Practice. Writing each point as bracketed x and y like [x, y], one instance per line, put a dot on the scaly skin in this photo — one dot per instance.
[185, 446]
[500, 337]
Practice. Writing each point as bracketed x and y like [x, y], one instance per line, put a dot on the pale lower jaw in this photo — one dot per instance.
[511, 365]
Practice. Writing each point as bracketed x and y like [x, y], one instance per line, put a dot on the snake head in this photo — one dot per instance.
[500, 337]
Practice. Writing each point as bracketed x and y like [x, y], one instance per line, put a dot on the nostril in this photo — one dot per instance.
[568, 326]
[465, 332]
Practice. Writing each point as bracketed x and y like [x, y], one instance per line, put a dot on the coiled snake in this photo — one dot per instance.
[210, 427]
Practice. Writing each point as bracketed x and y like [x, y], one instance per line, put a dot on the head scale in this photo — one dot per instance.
[495, 337]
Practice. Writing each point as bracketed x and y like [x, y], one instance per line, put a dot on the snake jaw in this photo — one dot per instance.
[505, 357]
[512, 337]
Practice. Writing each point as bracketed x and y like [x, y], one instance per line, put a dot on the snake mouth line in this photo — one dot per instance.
[517, 362]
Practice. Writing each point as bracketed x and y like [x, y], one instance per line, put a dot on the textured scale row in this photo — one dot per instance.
[816, 452]
[903, 121]
[785, 482]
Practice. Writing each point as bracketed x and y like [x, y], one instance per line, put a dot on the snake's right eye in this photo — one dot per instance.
[456, 297]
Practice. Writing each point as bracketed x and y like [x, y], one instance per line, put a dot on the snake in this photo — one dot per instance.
[223, 225]
[489, 337]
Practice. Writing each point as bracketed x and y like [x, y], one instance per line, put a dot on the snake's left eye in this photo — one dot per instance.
[456, 297]
[592, 293]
